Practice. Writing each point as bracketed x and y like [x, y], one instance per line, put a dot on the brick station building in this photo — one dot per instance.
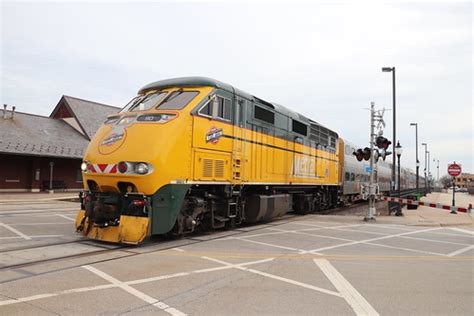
[32, 147]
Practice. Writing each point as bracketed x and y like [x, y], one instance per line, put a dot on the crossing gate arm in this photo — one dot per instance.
[434, 205]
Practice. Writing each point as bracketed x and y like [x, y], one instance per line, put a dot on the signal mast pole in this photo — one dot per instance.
[371, 213]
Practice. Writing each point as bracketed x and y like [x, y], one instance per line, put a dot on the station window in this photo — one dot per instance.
[264, 115]
[299, 128]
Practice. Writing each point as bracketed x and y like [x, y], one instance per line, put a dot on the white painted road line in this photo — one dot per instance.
[144, 297]
[301, 232]
[13, 230]
[33, 236]
[276, 277]
[326, 227]
[358, 303]
[366, 243]
[46, 295]
[139, 281]
[38, 224]
[406, 249]
[470, 232]
[462, 250]
[267, 244]
[179, 274]
[405, 237]
[66, 217]
[370, 240]
[31, 212]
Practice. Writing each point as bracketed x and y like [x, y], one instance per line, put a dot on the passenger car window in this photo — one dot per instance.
[177, 100]
[352, 177]
[347, 176]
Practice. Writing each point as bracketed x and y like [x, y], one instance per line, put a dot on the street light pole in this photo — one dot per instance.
[429, 173]
[392, 70]
[426, 150]
[398, 152]
[417, 161]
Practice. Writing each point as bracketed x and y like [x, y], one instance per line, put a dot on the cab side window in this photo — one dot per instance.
[223, 108]
[206, 110]
[217, 107]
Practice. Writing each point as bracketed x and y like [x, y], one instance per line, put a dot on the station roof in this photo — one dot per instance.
[88, 115]
[65, 133]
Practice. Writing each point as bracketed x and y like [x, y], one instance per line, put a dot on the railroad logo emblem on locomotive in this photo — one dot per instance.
[112, 139]
[118, 131]
[213, 135]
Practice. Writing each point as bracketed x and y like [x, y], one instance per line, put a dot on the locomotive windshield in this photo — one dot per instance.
[144, 102]
[175, 100]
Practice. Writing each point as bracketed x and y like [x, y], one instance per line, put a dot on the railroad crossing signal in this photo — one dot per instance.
[382, 142]
[362, 154]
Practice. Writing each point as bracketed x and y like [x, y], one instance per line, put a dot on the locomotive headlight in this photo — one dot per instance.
[84, 166]
[141, 168]
[156, 117]
[166, 117]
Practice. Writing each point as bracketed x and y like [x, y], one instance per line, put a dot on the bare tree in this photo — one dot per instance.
[446, 181]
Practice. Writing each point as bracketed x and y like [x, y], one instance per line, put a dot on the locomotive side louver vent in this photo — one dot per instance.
[213, 166]
[207, 168]
[219, 168]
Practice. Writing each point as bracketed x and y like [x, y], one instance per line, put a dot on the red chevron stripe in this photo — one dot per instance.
[102, 166]
[114, 169]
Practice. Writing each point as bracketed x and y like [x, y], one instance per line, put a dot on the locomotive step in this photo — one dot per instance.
[220, 218]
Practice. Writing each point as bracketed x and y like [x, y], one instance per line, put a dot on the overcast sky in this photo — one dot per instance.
[323, 60]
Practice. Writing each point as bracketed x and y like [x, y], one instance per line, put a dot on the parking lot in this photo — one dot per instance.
[312, 264]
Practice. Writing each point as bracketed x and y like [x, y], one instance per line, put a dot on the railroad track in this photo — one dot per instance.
[100, 248]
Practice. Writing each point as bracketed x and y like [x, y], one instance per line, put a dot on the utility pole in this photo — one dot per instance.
[429, 172]
[417, 161]
[394, 104]
[426, 151]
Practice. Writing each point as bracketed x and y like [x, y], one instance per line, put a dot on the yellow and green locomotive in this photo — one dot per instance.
[195, 153]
